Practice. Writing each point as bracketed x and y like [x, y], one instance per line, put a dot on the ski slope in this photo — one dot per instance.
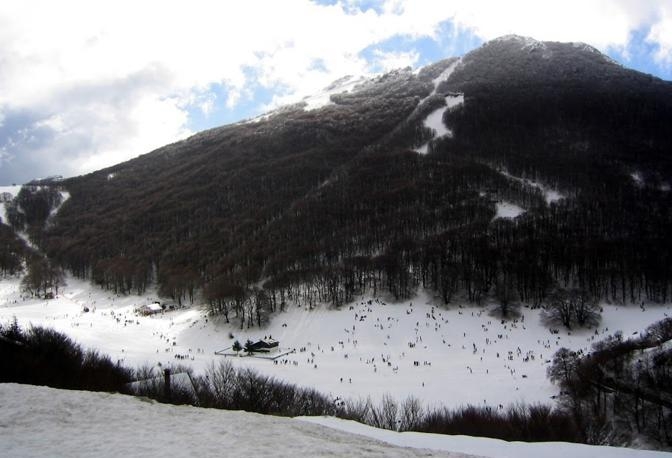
[444, 356]
[434, 121]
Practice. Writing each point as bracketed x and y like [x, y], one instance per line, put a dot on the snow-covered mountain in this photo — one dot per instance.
[517, 171]
[317, 192]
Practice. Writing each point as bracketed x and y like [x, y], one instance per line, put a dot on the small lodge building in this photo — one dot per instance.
[264, 345]
[149, 309]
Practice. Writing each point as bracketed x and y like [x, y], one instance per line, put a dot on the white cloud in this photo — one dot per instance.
[391, 60]
[126, 73]
[602, 23]
[661, 35]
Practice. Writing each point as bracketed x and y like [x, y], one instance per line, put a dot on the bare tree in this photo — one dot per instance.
[411, 414]
[586, 309]
[560, 308]
[572, 307]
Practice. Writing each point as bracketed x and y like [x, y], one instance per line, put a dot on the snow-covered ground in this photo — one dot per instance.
[443, 356]
[45, 422]
[482, 446]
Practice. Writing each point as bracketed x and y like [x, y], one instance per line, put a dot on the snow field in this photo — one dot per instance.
[443, 356]
[481, 445]
[45, 422]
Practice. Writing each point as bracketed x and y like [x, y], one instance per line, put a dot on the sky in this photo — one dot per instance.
[85, 85]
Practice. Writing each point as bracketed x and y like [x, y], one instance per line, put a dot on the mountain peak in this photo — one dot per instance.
[545, 49]
[513, 38]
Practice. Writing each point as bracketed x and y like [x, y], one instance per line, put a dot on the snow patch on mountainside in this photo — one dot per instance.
[550, 194]
[435, 122]
[454, 100]
[445, 75]
[507, 210]
[638, 179]
[441, 78]
[8, 193]
[65, 195]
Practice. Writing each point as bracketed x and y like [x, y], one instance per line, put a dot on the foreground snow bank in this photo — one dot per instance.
[483, 446]
[40, 421]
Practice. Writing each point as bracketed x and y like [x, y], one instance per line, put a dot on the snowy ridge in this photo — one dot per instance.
[524, 42]
[586, 47]
[322, 99]
[346, 84]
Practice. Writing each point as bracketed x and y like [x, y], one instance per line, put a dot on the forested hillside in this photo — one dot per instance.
[319, 205]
